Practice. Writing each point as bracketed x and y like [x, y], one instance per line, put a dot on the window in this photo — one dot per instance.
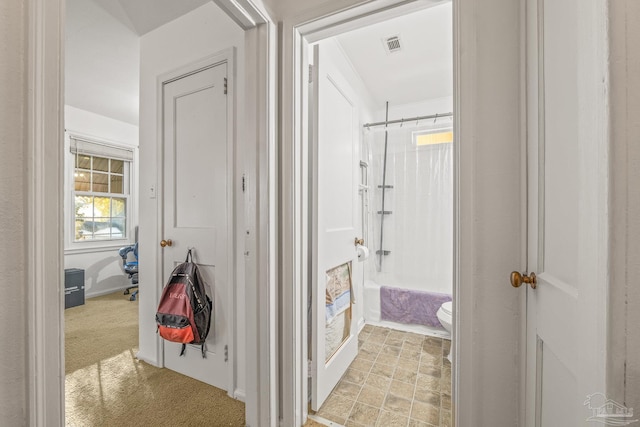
[433, 137]
[101, 189]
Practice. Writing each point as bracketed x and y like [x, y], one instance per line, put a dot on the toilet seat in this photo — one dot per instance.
[447, 308]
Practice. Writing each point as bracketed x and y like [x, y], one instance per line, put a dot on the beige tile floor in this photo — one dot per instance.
[397, 379]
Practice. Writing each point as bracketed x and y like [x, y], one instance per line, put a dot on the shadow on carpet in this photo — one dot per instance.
[107, 386]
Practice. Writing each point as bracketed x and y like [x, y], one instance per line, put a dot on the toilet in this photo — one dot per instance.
[445, 317]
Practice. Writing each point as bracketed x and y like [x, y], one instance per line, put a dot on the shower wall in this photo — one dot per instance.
[419, 231]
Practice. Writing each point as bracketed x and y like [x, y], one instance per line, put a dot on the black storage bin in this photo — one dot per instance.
[73, 287]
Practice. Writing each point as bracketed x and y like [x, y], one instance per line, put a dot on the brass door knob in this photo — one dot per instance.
[359, 242]
[518, 279]
[165, 243]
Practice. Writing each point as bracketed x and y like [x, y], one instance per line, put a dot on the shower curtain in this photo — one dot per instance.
[418, 233]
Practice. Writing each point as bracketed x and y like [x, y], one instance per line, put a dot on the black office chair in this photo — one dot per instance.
[130, 268]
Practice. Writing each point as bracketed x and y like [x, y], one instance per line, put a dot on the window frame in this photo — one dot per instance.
[129, 193]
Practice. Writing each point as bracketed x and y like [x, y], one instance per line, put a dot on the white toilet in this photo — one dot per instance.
[445, 316]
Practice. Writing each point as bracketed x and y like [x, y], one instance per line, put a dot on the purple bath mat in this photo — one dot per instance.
[411, 307]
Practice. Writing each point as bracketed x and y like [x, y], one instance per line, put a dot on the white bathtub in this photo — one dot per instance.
[372, 314]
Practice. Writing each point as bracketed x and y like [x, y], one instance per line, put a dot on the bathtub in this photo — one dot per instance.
[372, 314]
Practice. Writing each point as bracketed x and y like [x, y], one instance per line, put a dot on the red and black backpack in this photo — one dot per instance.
[184, 311]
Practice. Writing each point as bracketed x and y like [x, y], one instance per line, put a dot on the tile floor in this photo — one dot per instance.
[397, 379]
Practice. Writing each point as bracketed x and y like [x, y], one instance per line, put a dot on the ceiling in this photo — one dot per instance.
[102, 51]
[421, 70]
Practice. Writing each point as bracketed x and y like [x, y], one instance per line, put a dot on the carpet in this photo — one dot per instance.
[106, 385]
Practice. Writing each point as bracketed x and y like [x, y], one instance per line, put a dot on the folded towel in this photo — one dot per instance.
[338, 293]
[411, 307]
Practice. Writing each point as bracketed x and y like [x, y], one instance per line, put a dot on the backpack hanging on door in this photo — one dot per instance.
[184, 311]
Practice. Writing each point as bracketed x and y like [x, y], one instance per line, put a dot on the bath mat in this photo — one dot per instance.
[411, 307]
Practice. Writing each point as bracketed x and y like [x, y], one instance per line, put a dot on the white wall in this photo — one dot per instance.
[194, 36]
[624, 312]
[102, 59]
[13, 191]
[101, 262]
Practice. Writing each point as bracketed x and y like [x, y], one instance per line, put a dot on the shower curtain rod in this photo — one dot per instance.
[410, 119]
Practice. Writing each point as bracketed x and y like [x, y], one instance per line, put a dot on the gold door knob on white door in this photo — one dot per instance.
[517, 279]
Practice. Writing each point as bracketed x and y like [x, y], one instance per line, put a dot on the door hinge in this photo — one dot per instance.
[225, 85]
[310, 73]
[226, 353]
[244, 183]
[311, 368]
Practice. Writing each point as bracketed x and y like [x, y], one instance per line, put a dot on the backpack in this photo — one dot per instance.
[184, 311]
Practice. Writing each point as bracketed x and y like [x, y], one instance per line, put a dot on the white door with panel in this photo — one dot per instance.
[335, 147]
[197, 202]
[567, 210]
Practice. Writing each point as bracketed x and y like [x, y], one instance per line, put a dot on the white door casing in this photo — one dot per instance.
[198, 208]
[567, 209]
[335, 148]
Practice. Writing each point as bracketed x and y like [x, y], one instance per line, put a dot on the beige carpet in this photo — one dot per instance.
[107, 386]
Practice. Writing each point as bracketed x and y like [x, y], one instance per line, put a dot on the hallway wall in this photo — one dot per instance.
[13, 191]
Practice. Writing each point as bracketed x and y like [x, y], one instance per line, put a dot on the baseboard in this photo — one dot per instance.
[104, 292]
[149, 360]
[324, 421]
[240, 395]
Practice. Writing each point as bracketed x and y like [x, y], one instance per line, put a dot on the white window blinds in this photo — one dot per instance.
[91, 148]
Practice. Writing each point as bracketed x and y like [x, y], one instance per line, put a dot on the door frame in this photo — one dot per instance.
[45, 367]
[484, 189]
[295, 218]
[226, 56]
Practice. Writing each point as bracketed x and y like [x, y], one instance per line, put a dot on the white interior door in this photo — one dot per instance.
[197, 198]
[567, 166]
[335, 147]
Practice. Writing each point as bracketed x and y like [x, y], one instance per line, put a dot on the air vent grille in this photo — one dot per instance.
[393, 44]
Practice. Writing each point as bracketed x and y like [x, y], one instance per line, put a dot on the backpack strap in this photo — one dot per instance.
[189, 255]
[203, 349]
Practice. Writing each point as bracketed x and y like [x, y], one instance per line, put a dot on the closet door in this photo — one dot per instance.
[196, 213]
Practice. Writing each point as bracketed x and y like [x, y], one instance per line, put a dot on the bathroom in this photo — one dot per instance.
[399, 74]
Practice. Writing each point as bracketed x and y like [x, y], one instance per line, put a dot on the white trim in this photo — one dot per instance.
[260, 222]
[239, 394]
[459, 334]
[44, 214]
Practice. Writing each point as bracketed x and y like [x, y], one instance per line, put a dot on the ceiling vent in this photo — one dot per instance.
[392, 44]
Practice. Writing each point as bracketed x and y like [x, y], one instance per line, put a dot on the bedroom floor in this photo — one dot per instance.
[397, 379]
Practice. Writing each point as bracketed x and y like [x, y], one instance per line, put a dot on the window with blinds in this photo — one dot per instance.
[101, 190]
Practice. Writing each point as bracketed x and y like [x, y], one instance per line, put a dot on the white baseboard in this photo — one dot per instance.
[149, 360]
[104, 292]
[240, 395]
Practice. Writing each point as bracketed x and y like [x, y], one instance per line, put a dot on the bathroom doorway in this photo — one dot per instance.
[381, 227]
